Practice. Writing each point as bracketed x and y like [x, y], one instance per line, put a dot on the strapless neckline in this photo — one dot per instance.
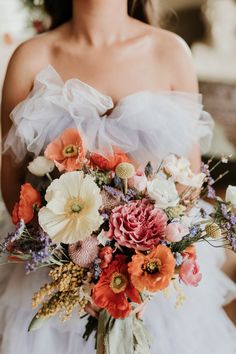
[144, 124]
[64, 82]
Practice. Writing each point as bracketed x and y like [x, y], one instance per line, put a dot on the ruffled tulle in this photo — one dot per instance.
[142, 124]
[199, 326]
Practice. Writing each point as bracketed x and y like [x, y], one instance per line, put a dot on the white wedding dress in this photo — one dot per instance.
[148, 126]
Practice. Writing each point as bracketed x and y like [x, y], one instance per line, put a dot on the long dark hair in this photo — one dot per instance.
[61, 11]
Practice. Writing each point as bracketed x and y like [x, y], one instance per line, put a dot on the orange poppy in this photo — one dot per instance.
[29, 199]
[109, 163]
[152, 272]
[114, 288]
[67, 151]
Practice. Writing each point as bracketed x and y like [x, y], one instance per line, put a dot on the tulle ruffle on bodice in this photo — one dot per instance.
[143, 124]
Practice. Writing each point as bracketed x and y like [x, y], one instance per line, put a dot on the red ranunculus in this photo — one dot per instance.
[24, 209]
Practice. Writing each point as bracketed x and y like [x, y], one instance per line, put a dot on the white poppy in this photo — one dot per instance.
[72, 211]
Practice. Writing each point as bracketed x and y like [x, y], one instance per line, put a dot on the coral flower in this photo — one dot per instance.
[29, 200]
[114, 289]
[154, 271]
[106, 255]
[67, 151]
[190, 253]
[110, 162]
[190, 272]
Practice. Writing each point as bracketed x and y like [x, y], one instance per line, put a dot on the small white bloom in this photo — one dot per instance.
[174, 165]
[164, 192]
[102, 238]
[72, 211]
[231, 195]
[179, 169]
[40, 166]
[191, 179]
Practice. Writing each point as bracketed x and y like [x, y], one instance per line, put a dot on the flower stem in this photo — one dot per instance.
[49, 177]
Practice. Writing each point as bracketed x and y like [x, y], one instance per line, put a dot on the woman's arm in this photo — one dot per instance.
[17, 85]
[185, 79]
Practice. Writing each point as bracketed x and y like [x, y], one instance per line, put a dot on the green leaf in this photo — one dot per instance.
[124, 336]
[37, 323]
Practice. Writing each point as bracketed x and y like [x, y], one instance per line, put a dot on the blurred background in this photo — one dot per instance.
[208, 26]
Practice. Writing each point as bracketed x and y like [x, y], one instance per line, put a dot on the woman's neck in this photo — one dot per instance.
[99, 22]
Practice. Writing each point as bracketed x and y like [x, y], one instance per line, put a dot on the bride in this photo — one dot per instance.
[102, 61]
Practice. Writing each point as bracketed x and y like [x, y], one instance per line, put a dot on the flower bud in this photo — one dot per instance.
[40, 166]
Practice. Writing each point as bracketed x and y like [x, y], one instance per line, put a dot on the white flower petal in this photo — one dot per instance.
[50, 222]
[231, 195]
[40, 166]
[163, 192]
[64, 225]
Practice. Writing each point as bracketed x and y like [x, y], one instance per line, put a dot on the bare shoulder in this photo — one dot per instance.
[31, 56]
[175, 56]
[27, 60]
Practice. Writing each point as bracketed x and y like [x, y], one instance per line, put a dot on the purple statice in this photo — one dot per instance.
[113, 191]
[210, 181]
[205, 169]
[97, 268]
[232, 219]
[232, 241]
[29, 268]
[178, 259]
[40, 251]
[211, 193]
[33, 243]
[117, 182]
[164, 243]
[13, 237]
[130, 195]
[224, 211]
[195, 229]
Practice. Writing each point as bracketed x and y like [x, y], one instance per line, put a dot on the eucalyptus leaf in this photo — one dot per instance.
[142, 340]
[121, 336]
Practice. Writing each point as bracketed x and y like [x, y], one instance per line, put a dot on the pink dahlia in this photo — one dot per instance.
[138, 225]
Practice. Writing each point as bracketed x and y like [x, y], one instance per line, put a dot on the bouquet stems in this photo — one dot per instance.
[121, 336]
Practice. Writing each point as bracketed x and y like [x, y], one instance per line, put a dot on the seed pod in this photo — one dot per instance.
[213, 230]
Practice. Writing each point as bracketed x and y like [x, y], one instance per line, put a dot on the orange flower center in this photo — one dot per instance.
[152, 267]
[118, 283]
[70, 151]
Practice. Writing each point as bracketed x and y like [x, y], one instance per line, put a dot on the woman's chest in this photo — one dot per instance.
[114, 72]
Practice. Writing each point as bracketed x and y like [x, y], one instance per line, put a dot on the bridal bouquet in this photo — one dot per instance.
[113, 235]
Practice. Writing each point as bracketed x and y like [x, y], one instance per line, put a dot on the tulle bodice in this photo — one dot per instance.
[147, 125]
